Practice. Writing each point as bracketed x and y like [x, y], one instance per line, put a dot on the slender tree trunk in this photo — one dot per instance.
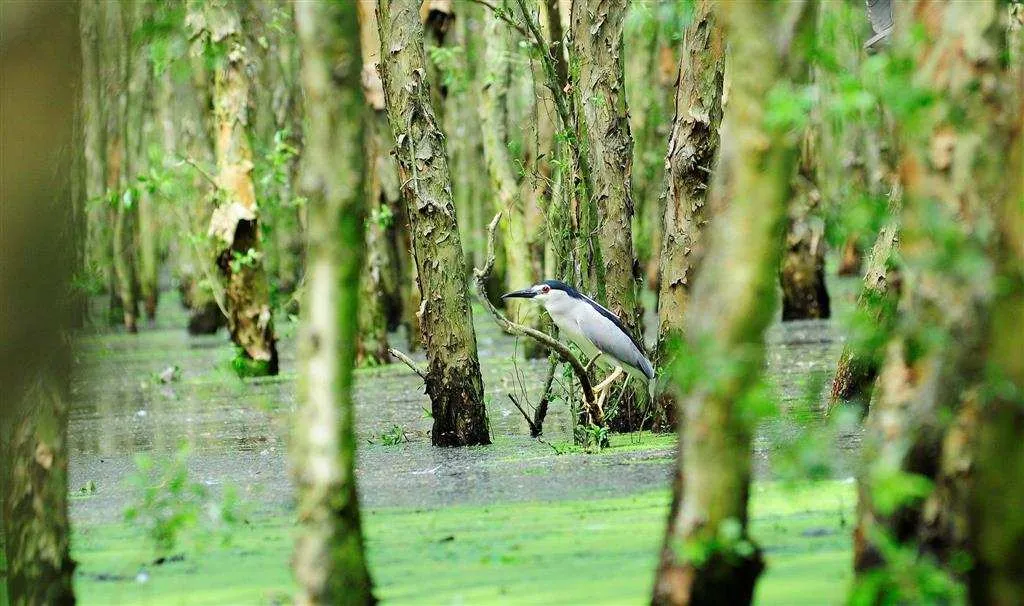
[235, 223]
[954, 184]
[119, 28]
[493, 110]
[802, 275]
[330, 562]
[41, 76]
[453, 377]
[692, 150]
[381, 188]
[731, 307]
[597, 42]
[97, 237]
[140, 133]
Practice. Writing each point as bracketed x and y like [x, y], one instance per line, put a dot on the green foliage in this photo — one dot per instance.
[892, 489]
[245, 367]
[729, 543]
[908, 578]
[382, 216]
[250, 258]
[394, 436]
[173, 509]
[450, 62]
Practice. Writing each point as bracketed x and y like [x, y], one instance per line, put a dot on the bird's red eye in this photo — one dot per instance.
[545, 289]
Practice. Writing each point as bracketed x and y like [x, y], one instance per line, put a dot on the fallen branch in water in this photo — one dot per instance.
[408, 362]
[549, 342]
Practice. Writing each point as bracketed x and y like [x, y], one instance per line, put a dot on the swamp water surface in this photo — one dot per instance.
[514, 522]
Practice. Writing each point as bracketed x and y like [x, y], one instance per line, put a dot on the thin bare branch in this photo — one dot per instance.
[408, 362]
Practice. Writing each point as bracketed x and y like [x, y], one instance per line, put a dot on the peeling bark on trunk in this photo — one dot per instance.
[235, 223]
[597, 42]
[381, 188]
[453, 377]
[802, 275]
[692, 151]
[330, 562]
[730, 309]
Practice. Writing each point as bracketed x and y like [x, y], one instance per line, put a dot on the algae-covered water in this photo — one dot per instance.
[520, 521]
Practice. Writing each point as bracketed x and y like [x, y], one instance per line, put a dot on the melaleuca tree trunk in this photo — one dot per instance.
[235, 223]
[140, 134]
[98, 261]
[937, 401]
[493, 112]
[381, 190]
[453, 376]
[120, 194]
[597, 45]
[708, 555]
[692, 150]
[40, 98]
[329, 562]
[802, 275]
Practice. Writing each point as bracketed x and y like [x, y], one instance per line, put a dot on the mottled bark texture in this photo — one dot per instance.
[381, 188]
[692, 150]
[802, 274]
[453, 376]
[97, 237]
[708, 556]
[40, 96]
[941, 407]
[597, 43]
[508, 195]
[140, 133]
[235, 224]
[330, 562]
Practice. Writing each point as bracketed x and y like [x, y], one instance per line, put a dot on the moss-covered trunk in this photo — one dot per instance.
[932, 486]
[39, 99]
[708, 556]
[235, 223]
[140, 133]
[381, 190]
[329, 562]
[97, 236]
[453, 377]
[692, 151]
[597, 45]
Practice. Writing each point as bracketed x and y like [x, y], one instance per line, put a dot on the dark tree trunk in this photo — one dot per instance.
[453, 377]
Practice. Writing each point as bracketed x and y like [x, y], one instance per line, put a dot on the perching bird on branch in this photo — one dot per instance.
[594, 329]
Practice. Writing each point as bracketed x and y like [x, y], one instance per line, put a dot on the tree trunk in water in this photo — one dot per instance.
[235, 223]
[97, 238]
[140, 127]
[381, 188]
[329, 562]
[692, 150]
[940, 434]
[453, 376]
[493, 110]
[597, 42]
[119, 28]
[731, 306]
[858, 364]
[802, 276]
[39, 99]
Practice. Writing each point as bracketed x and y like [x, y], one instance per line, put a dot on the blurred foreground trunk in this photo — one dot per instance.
[235, 222]
[692, 153]
[330, 561]
[453, 377]
[39, 62]
[708, 556]
[943, 450]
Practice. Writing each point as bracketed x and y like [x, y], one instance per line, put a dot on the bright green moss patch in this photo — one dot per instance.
[594, 551]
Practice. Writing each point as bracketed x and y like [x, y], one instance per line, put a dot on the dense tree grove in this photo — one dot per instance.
[717, 186]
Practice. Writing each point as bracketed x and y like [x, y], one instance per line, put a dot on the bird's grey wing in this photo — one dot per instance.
[610, 338]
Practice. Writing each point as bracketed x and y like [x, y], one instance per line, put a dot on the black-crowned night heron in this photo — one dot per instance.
[594, 329]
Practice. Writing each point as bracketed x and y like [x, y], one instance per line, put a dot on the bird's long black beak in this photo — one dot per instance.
[526, 293]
